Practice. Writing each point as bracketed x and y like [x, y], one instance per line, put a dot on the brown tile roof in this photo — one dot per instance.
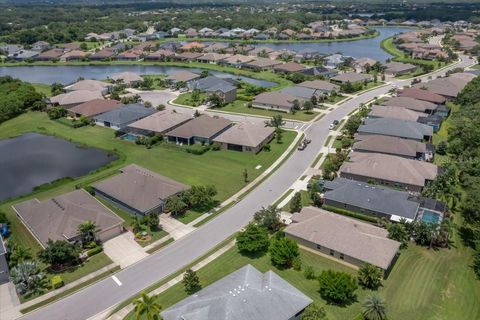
[58, 218]
[161, 54]
[238, 58]
[448, 86]
[263, 63]
[90, 85]
[140, 188]
[75, 54]
[51, 54]
[390, 168]
[76, 97]
[161, 122]
[203, 126]
[395, 113]
[409, 103]
[276, 99]
[182, 76]
[192, 45]
[249, 135]
[424, 95]
[103, 54]
[389, 145]
[320, 85]
[214, 57]
[396, 67]
[351, 237]
[94, 107]
[189, 55]
[289, 67]
[352, 77]
[127, 77]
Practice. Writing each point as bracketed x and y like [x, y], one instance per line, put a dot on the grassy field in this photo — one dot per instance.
[185, 99]
[221, 168]
[424, 284]
[240, 106]
[43, 88]
[388, 45]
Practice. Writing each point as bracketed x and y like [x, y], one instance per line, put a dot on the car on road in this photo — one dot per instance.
[302, 146]
[333, 124]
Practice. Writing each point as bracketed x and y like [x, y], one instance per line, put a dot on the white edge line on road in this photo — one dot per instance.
[117, 281]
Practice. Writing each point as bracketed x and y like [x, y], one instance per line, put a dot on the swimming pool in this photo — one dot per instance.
[430, 216]
[129, 137]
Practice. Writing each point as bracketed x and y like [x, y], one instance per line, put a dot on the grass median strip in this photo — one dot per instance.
[317, 159]
[160, 246]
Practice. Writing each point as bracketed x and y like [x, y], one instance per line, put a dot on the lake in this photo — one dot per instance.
[357, 49]
[33, 159]
[70, 74]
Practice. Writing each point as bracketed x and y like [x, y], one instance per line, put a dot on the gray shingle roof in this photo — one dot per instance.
[246, 294]
[396, 128]
[210, 82]
[389, 145]
[409, 103]
[301, 92]
[372, 197]
[125, 114]
[250, 135]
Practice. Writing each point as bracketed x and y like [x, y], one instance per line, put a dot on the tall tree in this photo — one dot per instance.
[60, 252]
[19, 254]
[276, 121]
[278, 135]
[191, 282]
[283, 252]
[337, 287]
[175, 205]
[268, 218]
[374, 308]
[253, 240]
[147, 307]
[296, 202]
[87, 231]
[314, 312]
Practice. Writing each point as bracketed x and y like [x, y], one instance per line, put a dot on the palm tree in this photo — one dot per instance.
[146, 306]
[374, 308]
[87, 231]
[19, 254]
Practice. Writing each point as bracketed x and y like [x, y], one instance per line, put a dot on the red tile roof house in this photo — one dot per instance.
[92, 108]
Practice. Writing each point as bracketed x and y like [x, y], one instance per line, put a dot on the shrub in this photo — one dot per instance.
[283, 252]
[197, 150]
[297, 264]
[267, 147]
[57, 282]
[337, 287]
[254, 239]
[309, 273]
[216, 146]
[56, 113]
[94, 251]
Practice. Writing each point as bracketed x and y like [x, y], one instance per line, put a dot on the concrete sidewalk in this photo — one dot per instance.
[9, 303]
[175, 228]
[124, 250]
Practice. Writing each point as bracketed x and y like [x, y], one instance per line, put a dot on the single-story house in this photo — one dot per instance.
[371, 199]
[95, 107]
[182, 76]
[320, 71]
[226, 89]
[4, 272]
[10, 48]
[202, 129]
[423, 95]
[159, 123]
[23, 55]
[410, 103]
[74, 55]
[74, 98]
[448, 87]
[406, 148]
[363, 64]
[352, 77]
[138, 191]
[433, 120]
[51, 54]
[212, 57]
[396, 128]
[121, 117]
[90, 85]
[347, 239]
[388, 170]
[236, 60]
[394, 68]
[289, 67]
[324, 87]
[245, 137]
[103, 54]
[244, 294]
[57, 218]
[260, 64]
[302, 92]
[160, 54]
[187, 56]
[277, 100]
[127, 78]
[395, 113]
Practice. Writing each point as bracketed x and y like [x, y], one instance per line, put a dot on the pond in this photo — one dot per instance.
[33, 159]
[357, 49]
[69, 74]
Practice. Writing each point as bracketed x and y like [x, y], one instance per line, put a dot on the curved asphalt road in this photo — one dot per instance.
[106, 293]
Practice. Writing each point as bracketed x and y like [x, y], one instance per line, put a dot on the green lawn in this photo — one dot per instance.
[240, 106]
[221, 168]
[186, 99]
[423, 285]
[306, 201]
[43, 88]
[476, 67]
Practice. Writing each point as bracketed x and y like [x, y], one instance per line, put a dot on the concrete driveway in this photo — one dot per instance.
[124, 250]
[174, 227]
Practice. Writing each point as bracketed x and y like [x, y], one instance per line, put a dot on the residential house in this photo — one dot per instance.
[41, 46]
[347, 239]
[51, 54]
[182, 76]
[334, 60]
[395, 113]
[302, 92]
[423, 95]
[352, 77]
[236, 60]
[90, 85]
[371, 199]
[245, 137]
[74, 55]
[363, 64]
[396, 128]
[406, 148]
[94, 107]
[433, 120]
[243, 294]
[128, 78]
[58, 218]
[388, 170]
[448, 87]
[320, 71]
[394, 68]
[324, 87]
[202, 129]
[411, 104]
[119, 118]
[226, 89]
[278, 101]
[261, 51]
[22, 55]
[103, 54]
[187, 56]
[138, 191]
[261, 64]
[192, 46]
[10, 48]
[71, 99]
[289, 67]
[212, 57]
[160, 54]
[159, 123]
